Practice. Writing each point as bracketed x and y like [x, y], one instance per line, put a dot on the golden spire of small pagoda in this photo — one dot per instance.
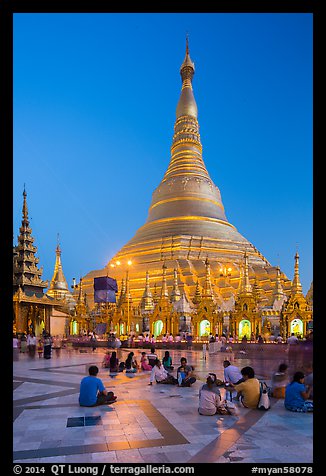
[58, 285]
[122, 296]
[296, 284]
[208, 290]
[197, 297]
[175, 293]
[278, 290]
[155, 295]
[245, 286]
[164, 289]
[147, 302]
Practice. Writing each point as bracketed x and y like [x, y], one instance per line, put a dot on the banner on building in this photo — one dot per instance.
[105, 289]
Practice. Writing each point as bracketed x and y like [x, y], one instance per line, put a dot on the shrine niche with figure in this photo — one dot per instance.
[162, 321]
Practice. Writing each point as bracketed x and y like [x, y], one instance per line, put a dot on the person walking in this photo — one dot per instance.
[92, 391]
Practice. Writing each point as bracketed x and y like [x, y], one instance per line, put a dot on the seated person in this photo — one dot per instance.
[114, 362]
[279, 381]
[106, 360]
[297, 395]
[248, 391]
[184, 374]
[92, 391]
[231, 373]
[144, 362]
[309, 382]
[167, 361]
[209, 397]
[131, 363]
[152, 357]
[160, 375]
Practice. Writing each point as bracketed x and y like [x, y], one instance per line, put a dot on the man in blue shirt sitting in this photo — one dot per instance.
[92, 391]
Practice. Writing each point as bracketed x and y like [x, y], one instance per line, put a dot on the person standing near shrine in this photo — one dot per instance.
[15, 347]
[31, 344]
[47, 346]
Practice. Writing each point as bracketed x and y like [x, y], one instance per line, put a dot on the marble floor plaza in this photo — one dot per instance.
[148, 424]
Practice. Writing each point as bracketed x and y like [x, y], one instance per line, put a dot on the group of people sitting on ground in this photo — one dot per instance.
[131, 365]
[160, 372]
[240, 385]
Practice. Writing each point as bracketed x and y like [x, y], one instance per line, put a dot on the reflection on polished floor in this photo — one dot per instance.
[147, 424]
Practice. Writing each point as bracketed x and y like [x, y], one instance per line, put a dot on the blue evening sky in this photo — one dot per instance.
[94, 108]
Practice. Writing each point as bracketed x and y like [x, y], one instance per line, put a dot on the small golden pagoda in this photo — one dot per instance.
[245, 319]
[60, 319]
[296, 315]
[58, 286]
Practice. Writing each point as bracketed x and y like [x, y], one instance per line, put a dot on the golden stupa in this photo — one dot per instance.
[187, 225]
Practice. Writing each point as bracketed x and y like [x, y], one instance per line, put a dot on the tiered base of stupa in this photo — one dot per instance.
[187, 254]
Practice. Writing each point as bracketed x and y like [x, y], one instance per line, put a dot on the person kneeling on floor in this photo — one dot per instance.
[92, 391]
[210, 402]
[160, 375]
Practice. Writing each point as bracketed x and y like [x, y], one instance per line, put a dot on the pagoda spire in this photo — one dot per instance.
[175, 293]
[197, 297]
[187, 105]
[186, 189]
[58, 283]
[122, 296]
[245, 288]
[296, 284]
[155, 295]
[80, 299]
[278, 290]
[208, 290]
[59, 288]
[25, 271]
[164, 289]
[147, 302]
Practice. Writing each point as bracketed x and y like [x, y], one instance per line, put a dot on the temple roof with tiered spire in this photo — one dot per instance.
[25, 270]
